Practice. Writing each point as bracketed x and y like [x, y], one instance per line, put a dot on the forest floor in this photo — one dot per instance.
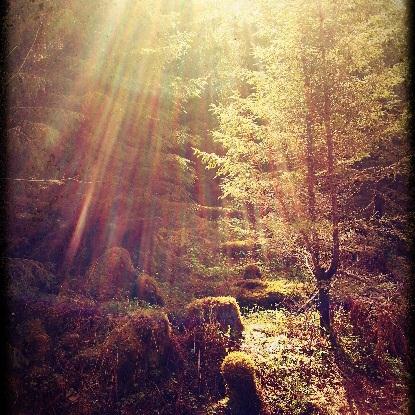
[71, 349]
[300, 373]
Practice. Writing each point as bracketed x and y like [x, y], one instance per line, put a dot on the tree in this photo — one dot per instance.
[95, 150]
[327, 95]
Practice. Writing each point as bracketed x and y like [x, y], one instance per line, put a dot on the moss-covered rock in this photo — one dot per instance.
[111, 276]
[253, 284]
[268, 294]
[239, 373]
[252, 271]
[148, 290]
[220, 310]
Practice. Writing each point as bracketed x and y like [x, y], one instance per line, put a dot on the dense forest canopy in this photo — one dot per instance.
[166, 157]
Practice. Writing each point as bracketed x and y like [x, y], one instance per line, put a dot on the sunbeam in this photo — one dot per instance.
[207, 207]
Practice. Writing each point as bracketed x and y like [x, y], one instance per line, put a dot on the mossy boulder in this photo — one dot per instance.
[217, 310]
[239, 373]
[143, 335]
[252, 271]
[249, 284]
[112, 276]
[148, 290]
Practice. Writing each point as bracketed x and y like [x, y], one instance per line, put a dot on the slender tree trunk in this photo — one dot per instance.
[325, 283]
[324, 305]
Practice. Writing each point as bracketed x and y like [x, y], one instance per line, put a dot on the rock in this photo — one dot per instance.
[251, 284]
[139, 343]
[268, 294]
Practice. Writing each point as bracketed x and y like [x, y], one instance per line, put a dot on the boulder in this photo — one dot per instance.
[268, 293]
[139, 343]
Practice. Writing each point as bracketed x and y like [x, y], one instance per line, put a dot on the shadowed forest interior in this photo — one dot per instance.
[208, 207]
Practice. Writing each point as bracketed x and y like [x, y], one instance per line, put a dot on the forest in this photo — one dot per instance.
[208, 207]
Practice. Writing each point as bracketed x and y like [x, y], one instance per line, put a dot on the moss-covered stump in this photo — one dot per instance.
[238, 371]
[112, 276]
[252, 271]
[268, 294]
[223, 311]
[148, 290]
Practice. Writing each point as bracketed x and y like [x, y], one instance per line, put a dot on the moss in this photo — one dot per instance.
[239, 373]
[148, 290]
[111, 276]
[251, 284]
[268, 294]
[240, 249]
[37, 342]
[140, 342]
[252, 271]
[222, 310]
[28, 277]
